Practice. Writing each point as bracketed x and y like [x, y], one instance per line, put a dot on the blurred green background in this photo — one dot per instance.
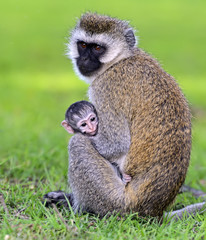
[37, 82]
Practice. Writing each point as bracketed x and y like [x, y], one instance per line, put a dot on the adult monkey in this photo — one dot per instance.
[144, 120]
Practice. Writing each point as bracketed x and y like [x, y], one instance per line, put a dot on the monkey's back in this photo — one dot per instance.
[160, 127]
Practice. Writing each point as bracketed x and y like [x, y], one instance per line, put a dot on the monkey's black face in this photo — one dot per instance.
[89, 54]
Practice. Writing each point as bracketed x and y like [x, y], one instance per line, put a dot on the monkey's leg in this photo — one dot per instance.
[190, 210]
[59, 198]
[95, 185]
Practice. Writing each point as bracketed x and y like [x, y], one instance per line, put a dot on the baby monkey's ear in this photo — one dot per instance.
[67, 127]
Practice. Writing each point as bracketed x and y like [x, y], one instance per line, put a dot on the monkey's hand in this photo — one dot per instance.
[126, 178]
[59, 198]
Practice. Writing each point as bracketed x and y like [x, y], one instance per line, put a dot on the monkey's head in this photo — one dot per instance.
[81, 117]
[97, 42]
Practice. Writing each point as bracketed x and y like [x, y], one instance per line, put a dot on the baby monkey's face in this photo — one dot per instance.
[88, 125]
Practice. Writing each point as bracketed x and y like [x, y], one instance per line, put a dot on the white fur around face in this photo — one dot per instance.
[116, 50]
[114, 47]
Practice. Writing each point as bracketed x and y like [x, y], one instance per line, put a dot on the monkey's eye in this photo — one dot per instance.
[83, 124]
[97, 48]
[93, 119]
[83, 44]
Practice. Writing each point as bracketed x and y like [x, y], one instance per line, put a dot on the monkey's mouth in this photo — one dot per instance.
[86, 71]
[93, 133]
[88, 68]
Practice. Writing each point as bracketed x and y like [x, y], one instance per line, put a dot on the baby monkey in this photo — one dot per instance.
[81, 117]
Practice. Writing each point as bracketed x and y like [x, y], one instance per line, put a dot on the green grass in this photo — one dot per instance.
[37, 84]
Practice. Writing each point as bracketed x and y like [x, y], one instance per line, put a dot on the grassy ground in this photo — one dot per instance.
[37, 84]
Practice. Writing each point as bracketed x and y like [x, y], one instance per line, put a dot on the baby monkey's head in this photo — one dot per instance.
[81, 117]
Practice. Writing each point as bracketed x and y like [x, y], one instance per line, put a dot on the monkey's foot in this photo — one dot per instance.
[126, 178]
[59, 198]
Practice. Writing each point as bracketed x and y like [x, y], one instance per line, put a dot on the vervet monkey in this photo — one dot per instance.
[82, 117]
[144, 119]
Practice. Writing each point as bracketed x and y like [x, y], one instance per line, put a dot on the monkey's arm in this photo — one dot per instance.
[113, 137]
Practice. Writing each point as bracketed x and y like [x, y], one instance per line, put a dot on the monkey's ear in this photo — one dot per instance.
[130, 38]
[67, 127]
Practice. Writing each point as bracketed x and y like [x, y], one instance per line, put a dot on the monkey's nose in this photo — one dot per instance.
[89, 125]
[84, 58]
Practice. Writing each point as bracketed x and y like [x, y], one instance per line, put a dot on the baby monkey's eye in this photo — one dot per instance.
[83, 124]
[93, 119]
